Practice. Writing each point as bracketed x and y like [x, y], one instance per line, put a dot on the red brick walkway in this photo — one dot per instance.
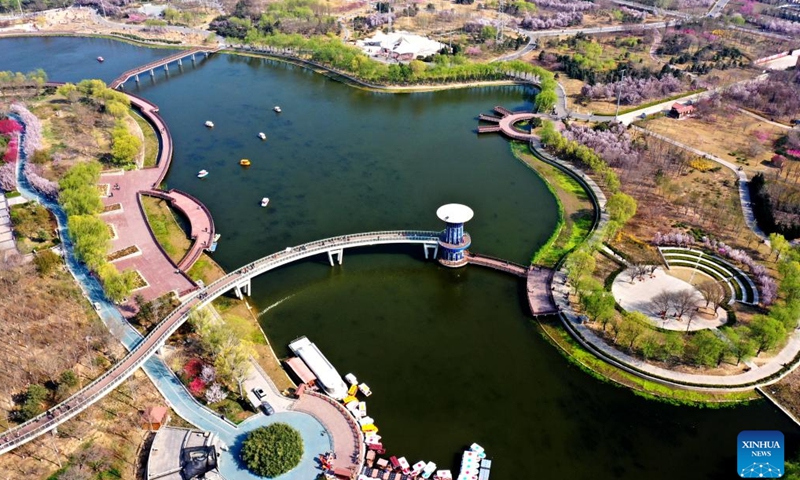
[348, 441]
[130, 223]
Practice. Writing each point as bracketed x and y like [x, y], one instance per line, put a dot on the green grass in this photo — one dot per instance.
[199, 270]
[168, 233]
[569, 233]
[13, 194]
[150, 141]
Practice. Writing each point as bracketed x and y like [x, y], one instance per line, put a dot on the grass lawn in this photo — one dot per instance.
[577, 212]
[168, 232]
[150, 140]
[205, 269]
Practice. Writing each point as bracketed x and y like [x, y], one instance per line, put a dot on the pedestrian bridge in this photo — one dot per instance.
[239, 281]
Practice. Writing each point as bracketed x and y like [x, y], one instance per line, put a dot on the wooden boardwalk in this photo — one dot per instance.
[505, 124]
[497, 264]
[489, 118]
[540, 291]
[503, 111]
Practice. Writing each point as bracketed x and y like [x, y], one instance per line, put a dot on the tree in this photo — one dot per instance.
[215, 393]
[673, 346]
[766, 332]
[81, 200]
[778, 244]
[124, 145]
[598, 304]
[272, 450]
[712, 293]
[621, 207]
[90, 236]
[663, 302]
[579, 264]
[649, 346]
[740, 345]
[633, 327]
[708, 350]
[683, 302]
[32, 406]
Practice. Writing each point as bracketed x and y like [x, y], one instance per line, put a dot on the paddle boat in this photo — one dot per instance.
[352, 390]
[443, 475]
[277, 109]
[264, 202]
[209, 124]
[363, 388]
[404, 466]
[202, 174]
[351, 379]
[362, 409]
[349, 398]
[244, 162]
[417, 468]
[430, 467]
[101, 59]
[262, 136]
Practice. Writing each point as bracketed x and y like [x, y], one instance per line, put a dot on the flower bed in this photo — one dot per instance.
[125, 252]
[112, 208]
[139, 281]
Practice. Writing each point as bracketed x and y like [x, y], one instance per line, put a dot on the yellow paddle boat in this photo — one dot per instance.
[244, 162]
[352, 390]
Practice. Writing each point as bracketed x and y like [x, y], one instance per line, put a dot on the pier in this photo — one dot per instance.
[505, 123]
[163, 62]
[540, 291]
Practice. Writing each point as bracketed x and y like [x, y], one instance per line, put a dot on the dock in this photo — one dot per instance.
[540, 291]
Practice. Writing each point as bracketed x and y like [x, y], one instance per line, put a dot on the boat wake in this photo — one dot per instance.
[262, 312]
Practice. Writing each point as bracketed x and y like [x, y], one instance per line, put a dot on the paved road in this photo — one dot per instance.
[717, 8]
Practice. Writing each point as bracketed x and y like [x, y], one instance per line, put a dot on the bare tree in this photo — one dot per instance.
[712, 293]
[663, 302]
[683, 302]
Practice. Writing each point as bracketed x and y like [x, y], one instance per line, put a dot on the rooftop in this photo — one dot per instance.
[169, 446]
[454, 213]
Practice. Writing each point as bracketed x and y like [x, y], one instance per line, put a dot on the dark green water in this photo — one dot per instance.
[451, 356]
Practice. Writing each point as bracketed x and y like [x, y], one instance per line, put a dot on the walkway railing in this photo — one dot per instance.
[158, 63]
[148, 346]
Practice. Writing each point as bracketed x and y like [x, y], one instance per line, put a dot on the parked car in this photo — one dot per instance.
[259, 393]
[267, 408]
[97, 306]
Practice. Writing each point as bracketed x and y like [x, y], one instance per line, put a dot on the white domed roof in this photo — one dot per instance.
[454, 213]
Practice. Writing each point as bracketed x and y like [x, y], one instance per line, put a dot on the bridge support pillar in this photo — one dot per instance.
[193, 58]
[246, 288]
[180, 62]
[152, 73]
[136, 77]
[166, 67]
[431, 247]
[238, 292]
[339, 254]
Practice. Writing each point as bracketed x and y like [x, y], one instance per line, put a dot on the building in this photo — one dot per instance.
[454, 241]
[679, 110]
[183, 454]
[153, 418]
[400, 46]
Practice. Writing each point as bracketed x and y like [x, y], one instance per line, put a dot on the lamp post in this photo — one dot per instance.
[619, 92]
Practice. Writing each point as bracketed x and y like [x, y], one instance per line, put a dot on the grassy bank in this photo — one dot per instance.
[588, 362]
[150, 141]
[165, 227]
[575, 209]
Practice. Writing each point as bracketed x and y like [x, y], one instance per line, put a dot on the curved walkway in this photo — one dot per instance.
[348, 441]
[770, 372]
[144, 349]
[200, 221]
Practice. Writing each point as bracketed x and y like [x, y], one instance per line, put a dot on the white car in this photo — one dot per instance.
[97, 306]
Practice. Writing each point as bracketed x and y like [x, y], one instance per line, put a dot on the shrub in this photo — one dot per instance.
[46, 261]
[193, 368]
[273, 450]
[701, 164]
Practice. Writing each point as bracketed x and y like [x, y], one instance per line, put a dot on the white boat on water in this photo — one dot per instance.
[209, 124]
[430, 467]
[262, 136]
[417, 468]
[404, 466]
[264, 202]
[362, 409]
[277, 109]
[351, 379]
[363, 388]
[202, 174]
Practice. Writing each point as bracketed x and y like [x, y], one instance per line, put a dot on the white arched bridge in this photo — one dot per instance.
[239, 281]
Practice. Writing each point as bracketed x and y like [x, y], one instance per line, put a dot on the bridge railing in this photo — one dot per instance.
[147, 346]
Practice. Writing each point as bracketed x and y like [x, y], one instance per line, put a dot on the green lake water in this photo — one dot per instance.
[452, 356]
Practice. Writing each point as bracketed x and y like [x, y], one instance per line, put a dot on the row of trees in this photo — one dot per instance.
[81, 201]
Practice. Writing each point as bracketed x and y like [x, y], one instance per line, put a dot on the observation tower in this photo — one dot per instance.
[453, 242]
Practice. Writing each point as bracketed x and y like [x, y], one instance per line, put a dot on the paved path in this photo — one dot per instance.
[348, 441]
[572, 321]
[743, 181]
[7, 244]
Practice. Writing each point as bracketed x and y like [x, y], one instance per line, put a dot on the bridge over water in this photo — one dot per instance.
[238, 281]
[163, 62]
